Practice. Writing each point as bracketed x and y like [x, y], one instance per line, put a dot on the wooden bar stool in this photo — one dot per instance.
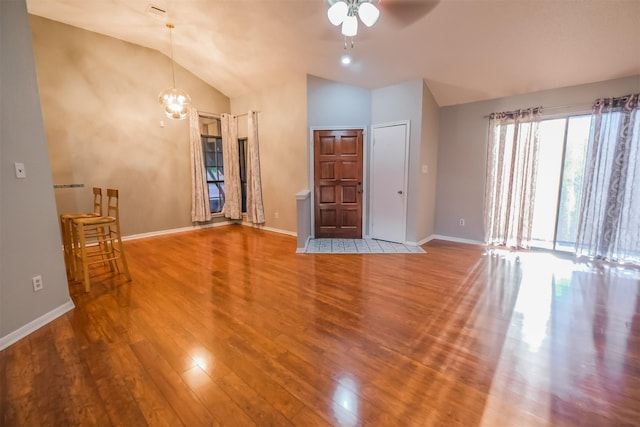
[66, 229]
[98, 241]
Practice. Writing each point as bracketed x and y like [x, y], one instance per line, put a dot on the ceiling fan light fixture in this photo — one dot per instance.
[175, 102]
[337, 13]
[368, 13]
[350, 26]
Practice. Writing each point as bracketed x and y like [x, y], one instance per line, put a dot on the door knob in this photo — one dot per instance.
[399, 191]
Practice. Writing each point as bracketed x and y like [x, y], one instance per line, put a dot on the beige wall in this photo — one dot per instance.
[103, 124]
[282, 124]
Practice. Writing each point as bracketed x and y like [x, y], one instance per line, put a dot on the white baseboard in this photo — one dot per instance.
[274, 230]
[174, 230]
[32, 326]
[453, 239]
[425, 240]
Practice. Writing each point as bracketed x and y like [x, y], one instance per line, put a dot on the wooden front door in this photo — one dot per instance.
[338, 183]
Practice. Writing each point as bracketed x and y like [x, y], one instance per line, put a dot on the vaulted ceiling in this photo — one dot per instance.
[465, 50]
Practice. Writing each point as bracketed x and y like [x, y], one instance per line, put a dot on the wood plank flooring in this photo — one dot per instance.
[229, 326]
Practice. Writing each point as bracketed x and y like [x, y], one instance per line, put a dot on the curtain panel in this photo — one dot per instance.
[512, 157]
[200, 210]
[232, 208]
[609, 226]
[255, 209]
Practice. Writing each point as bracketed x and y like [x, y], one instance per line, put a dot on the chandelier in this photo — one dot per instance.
[175, 102]
[345, 12]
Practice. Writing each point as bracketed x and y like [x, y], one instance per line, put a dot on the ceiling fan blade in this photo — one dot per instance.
[406, 12]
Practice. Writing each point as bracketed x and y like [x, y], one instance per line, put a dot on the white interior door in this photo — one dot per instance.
[389, 182]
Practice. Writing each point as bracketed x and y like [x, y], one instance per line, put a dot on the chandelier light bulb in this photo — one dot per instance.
[175, 103]
[338, 12]
[350, 26]
[368, 14]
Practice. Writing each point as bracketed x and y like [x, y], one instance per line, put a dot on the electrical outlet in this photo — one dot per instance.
[276, 215]
[461, 222]
[37, 283]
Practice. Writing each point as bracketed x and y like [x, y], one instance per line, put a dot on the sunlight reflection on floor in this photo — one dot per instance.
[568, 331]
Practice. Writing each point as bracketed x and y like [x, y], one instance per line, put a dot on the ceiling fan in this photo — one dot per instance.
[346, 12]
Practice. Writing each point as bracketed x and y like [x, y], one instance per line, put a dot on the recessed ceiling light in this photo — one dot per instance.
[345, 59]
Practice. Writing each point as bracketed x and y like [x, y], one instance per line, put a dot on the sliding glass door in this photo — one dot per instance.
[561, 161]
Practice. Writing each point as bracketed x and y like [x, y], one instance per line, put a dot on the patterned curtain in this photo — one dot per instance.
[231, 163]
[511, 175]
[609, 226]
[255, 209]
[200, 210]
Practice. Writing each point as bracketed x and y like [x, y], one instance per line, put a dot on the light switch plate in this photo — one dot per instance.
[20, 171]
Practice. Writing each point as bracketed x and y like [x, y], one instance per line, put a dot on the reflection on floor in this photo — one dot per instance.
[229, 326]
[570, 338]
[359, 246]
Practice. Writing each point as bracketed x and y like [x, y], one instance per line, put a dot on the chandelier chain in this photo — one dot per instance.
[173, 71]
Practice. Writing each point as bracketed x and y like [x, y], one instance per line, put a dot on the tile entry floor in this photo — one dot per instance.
[359, 246]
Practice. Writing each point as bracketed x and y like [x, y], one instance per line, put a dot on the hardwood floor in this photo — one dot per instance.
[228, 326]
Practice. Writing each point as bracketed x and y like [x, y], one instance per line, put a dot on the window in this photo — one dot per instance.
[561, 163]
[242, 146]
[215, 171]
[213, 163]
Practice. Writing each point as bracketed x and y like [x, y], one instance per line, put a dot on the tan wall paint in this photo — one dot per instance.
[282, 124]
[100, 106]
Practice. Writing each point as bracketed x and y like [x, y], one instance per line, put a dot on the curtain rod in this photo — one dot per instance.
[217, 116]
[558, 107]
[246, 114]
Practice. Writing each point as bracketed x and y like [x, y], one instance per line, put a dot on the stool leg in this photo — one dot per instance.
[83, 254]
[65, 244]
[77, 252]
[106, 246]
[125, 267]
[73, 247]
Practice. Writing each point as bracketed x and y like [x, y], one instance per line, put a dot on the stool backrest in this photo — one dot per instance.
[97, 200]
[113, 208]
